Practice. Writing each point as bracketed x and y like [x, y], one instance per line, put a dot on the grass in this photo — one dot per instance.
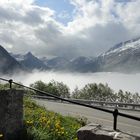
[42, 124]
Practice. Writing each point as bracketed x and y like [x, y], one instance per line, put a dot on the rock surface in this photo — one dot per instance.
[98, 132]
[11, 113]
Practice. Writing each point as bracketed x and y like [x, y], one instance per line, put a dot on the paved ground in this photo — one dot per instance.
[93, 115]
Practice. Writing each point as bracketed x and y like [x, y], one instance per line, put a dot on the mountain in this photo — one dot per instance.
[79, 64]
[18, 57]
[57, 63]
[83, 64]
[31, 62]
[7, 63]
[123, 57]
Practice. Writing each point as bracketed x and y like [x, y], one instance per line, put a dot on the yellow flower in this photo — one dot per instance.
[57, 125]
[43, 114]
[29, 122]
[62, 128]
[62, 132]
[1, 135]
[48, 122]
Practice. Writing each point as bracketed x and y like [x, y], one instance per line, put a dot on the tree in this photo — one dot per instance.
[62, 89]
[39, 85]
[125, 97]
[76, 93]
[128, 97]
[53, 87]
[105, 93]
[94, 91]
[136, 98]
[120, 96]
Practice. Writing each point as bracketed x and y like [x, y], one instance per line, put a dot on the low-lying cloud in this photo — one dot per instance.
[116, 81]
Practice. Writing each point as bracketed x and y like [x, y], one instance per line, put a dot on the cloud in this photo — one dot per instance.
[97, 25]
[126, 82]
[129, 15]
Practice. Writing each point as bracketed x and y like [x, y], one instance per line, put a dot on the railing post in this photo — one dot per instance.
[10, 82]
[115, 114]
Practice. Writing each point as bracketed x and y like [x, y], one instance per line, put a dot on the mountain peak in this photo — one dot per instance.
[132, 44]
[123, 57]
[32, 62]
[8, 64]
[29, 54]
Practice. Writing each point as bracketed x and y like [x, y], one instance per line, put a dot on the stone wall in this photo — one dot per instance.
[11, 113]
[98, 132]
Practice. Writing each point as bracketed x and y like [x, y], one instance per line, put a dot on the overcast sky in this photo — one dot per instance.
[67, 27]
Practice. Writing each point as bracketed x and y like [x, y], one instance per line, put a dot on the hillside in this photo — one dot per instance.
[31, 62]
[123, 57]
[7, 63]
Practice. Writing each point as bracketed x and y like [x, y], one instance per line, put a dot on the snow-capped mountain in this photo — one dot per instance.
[30, 61]
[132, 45]
[123, 57]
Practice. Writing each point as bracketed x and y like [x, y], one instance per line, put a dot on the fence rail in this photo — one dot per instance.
[115, 113]
[127, 106]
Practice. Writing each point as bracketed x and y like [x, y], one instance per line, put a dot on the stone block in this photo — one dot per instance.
[98, 132]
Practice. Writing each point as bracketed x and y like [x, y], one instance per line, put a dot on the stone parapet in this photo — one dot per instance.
[98, 132]
[11, 113]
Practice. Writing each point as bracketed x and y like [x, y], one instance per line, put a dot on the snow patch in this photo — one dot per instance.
[125, 46]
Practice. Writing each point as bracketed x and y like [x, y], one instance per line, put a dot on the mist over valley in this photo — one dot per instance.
[116, 81]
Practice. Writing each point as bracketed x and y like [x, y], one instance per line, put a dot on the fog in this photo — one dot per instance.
[126, 82]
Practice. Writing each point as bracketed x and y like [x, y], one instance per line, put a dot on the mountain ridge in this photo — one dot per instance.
[32, 62]
[7, 63]
[122, 57]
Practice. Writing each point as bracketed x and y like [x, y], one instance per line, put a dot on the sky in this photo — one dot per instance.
[67, 28]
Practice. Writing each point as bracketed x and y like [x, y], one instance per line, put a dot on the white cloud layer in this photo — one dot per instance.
[96, 26]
